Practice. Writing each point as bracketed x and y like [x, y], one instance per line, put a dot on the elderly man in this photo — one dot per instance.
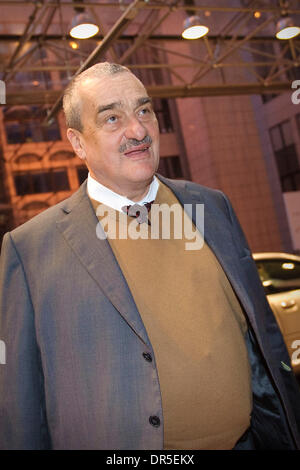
[136, 342]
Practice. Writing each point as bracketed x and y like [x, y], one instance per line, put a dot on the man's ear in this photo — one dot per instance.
[77, 142]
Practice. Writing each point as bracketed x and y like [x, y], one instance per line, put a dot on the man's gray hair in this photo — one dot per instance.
[71, 99]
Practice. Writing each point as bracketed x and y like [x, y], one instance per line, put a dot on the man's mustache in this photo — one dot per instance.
[134, 143]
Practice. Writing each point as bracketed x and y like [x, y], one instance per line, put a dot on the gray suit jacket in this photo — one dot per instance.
[75, 376]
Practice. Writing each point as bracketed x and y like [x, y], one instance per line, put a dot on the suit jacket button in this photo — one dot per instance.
[155, 421]
[147, 356]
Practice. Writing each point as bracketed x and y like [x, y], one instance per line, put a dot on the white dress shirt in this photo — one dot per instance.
[108, 197]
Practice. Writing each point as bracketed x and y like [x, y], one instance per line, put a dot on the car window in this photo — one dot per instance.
[279, 275]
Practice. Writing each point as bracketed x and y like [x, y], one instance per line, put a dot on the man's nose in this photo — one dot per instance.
[135, 129]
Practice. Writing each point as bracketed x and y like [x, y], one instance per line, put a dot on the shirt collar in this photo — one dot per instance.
[108, 197]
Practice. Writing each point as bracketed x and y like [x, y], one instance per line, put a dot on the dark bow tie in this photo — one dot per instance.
[140, 212]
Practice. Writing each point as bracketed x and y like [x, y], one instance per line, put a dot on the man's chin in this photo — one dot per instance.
[143, 172]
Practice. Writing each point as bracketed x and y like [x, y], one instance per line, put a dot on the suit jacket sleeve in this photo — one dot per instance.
[22, 402]
[269, 323]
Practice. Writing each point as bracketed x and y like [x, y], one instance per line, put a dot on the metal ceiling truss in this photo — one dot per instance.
[217, 54]
[158, 5]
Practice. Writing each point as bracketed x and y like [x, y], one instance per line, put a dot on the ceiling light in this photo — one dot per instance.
[73, 45]
[193, 28]
[285, 28]
[83, 27]
[257, 14]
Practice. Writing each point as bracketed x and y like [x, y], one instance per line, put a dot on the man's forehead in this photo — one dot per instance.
[120, 91]
[106, 86]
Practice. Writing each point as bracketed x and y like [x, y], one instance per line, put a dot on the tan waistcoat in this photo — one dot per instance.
[196, 327]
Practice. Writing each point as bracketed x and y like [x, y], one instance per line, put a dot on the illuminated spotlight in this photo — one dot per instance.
[288, 266]
[257, 14]
[73, 45]
[285, 28]
[193, 28]
[35, 83]
[83, 27]
[267, 283]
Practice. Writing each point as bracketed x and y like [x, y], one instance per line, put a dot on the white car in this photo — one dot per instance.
[280, 276]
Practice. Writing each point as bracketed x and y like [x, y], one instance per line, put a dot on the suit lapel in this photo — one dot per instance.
[78, 224]
[218, 234]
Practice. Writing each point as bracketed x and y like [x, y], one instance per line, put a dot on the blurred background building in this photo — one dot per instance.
[229, 117]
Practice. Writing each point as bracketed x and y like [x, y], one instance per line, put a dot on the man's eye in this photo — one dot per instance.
[111, 119]
[144, 111]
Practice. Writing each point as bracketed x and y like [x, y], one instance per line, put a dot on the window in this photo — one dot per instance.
[61, 155]
[82, 173]
[3, 192]
[298, 122]
[29, 127]
[162, 111]
[6, 222]
[286, 156]
[54, 180]
[279, 275]
[27, 158]
[3, 195]
[170, 167]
